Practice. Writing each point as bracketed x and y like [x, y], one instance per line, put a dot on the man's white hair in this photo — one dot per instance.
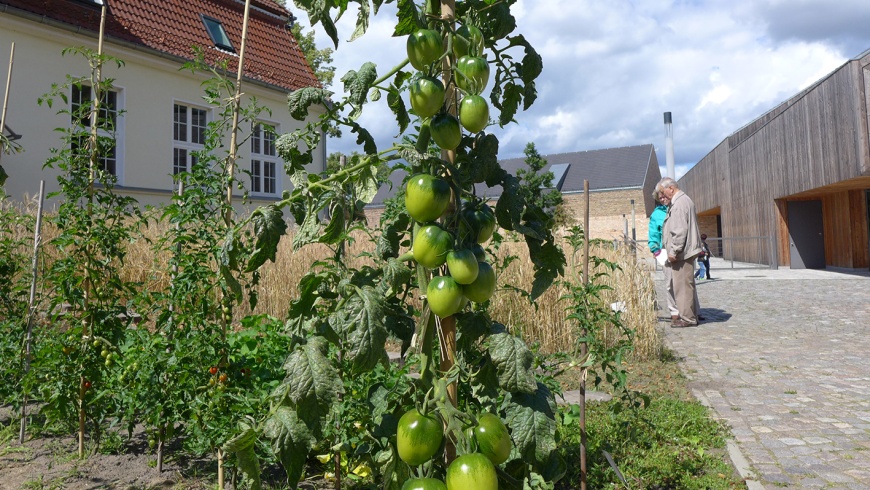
[667, 182]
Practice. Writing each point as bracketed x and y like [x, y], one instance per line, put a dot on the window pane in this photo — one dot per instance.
[255, 138]
[255, 176]
[179, 160]
[197, 126]
[179, 127]
[269, 177]
[269, 142]
[217, 33]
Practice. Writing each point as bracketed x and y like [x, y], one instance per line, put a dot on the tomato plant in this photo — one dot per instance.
[424, 47]
[426, 197]
[444, 295]
[424, 484]
[474, 113]
[472, 471]
[431, 245]
[418, 437]
[493, 439]
[462, 265]
[427, 96]
[472, 74]
[467, 41]
[445, 130]
[483, 286]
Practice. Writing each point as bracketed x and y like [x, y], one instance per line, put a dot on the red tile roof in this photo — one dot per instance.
[173, 27]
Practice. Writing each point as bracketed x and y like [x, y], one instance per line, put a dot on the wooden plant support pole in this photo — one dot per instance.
[34, 268]
[584, 347]
[448, 325]
[92, 163]
[231, 172]
[6, 94]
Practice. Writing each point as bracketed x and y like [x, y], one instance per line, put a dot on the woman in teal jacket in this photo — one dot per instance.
[656, 223]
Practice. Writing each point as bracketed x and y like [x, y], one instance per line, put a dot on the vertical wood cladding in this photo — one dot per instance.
[814, 145]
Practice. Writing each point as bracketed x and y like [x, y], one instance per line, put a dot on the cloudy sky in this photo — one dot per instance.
[613, 67]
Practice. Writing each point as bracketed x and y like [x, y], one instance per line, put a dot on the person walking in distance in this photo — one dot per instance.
[706, 257]
[682, 242]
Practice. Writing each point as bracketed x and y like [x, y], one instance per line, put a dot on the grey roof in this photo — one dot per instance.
[605, 169]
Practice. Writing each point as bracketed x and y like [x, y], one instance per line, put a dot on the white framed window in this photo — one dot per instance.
[264, 160]
[109, 125]
[189, 126]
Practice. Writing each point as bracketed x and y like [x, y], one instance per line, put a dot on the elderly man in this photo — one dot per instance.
[682, 242]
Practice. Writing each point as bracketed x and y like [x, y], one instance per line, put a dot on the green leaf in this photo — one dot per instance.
[309, 229]
[549, 261]
[532, 423]
[362, 20]
[513, 362]
[311, 385]
[291, 442]
[359, 82]
[510, 208]
[365, 139]
[269, 226]
[397, 105]
[365, 184]
[408, 19]
[512, 95]
[391, 237]
[300, 100]
[335, 229]
[532, 64]
[361, 322]
[242, 446]
[481, 163]
[396, 274]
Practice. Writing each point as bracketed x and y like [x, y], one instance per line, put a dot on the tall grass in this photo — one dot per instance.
[542, 321]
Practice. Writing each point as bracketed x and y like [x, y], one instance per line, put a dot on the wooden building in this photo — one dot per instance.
[792, 188]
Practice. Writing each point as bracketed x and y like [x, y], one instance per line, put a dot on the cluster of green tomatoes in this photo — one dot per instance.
[470, 74]
[419, 439]
[469, 277]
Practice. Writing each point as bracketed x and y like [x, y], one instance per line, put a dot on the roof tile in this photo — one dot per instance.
[173, 27]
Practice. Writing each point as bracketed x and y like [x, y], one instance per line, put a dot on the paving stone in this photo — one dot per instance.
[782, 360]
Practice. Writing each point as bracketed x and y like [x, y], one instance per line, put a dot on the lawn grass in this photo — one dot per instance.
[672, 443]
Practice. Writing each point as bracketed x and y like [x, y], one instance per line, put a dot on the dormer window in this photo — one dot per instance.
[217, 33]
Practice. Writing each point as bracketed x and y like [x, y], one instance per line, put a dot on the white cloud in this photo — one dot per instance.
[613, 67]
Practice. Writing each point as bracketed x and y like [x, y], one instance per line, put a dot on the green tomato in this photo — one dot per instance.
[474, 113]
[431, 245]
[493, 439]
[446, 131]
[467, 41]
[478, 223]
[444, 296]
[462, 265]
[426, 197]
[472, 472]
[418, 437]
[424, 48]
[427, 96]
[483, 287]
[471, 74]
[479, 252]
[424, 484]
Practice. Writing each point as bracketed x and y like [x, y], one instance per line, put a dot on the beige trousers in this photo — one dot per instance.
[683, 279]
[671, 300]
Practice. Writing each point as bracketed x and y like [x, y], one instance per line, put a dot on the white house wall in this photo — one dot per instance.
[149, 86]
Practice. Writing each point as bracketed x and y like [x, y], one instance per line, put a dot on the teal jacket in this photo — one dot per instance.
[656, 223]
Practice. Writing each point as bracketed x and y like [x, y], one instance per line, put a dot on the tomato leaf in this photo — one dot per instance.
[269, 226]
[513, 363]
[365, 183]
[358, 83]
[391, 237]
[311, 384]
[408, 19]
[396, 274]
[532, 423]
[549, 261]
[291, 441]
[361, 323]
[242, 446]
[481, 163]
[299, 101]
[364, 138]
[362, 20]
[397, 105]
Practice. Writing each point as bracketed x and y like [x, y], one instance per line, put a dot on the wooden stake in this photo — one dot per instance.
[6, 95]
[34, 268]
[584, 348]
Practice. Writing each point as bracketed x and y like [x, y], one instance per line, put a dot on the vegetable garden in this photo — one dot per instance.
[471, 405]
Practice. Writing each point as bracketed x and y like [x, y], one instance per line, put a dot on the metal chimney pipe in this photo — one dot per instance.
[669, 146]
